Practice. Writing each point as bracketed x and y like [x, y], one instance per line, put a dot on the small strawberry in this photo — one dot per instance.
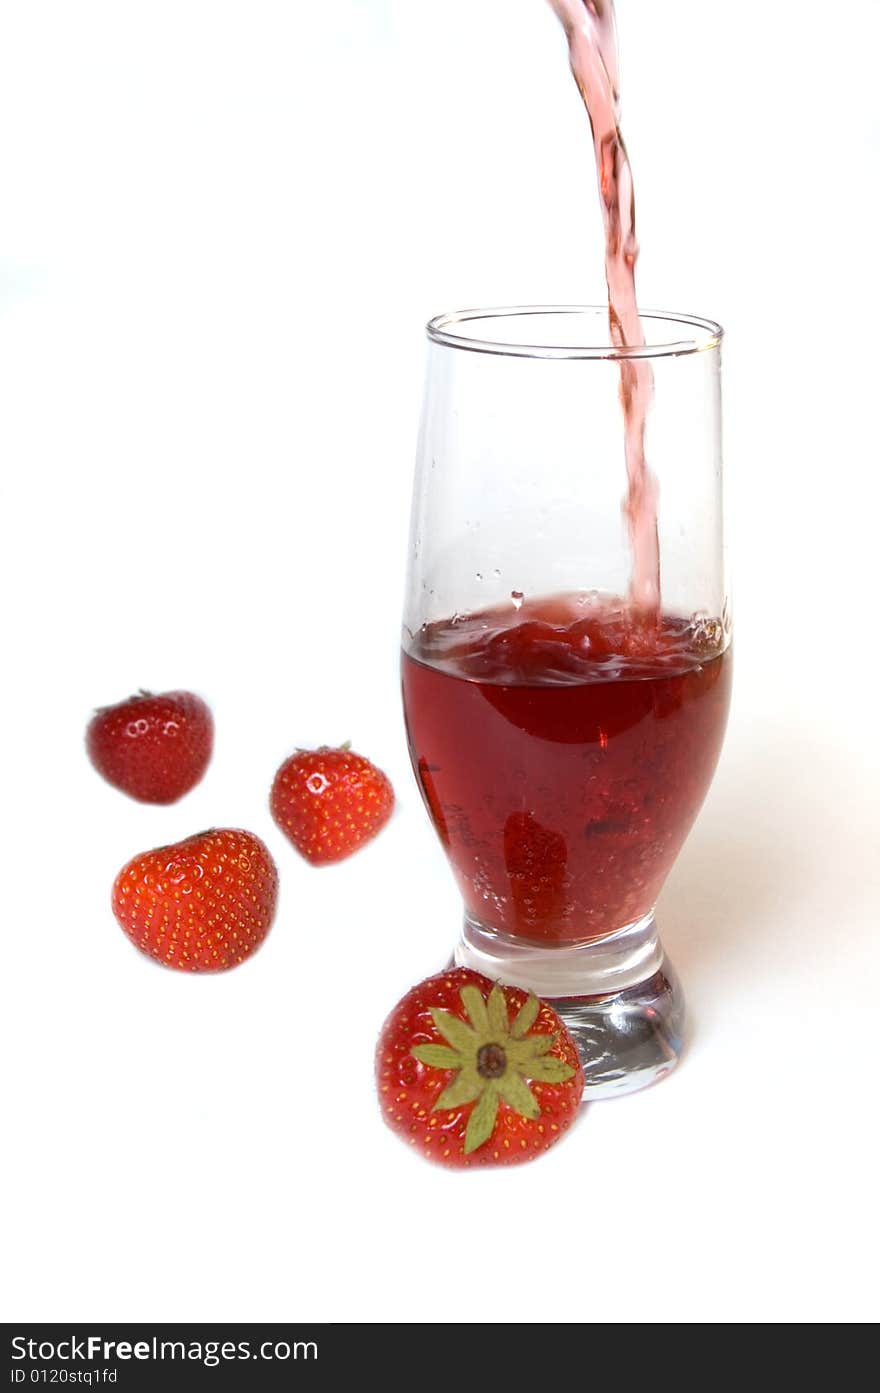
[154, 748]
[203, 904]
[330, 802]
[476, 1074]
[536, 860]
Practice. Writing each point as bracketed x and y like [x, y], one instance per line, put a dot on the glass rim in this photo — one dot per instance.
[444, 329]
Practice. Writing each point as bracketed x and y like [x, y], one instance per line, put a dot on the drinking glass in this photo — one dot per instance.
[564, 738]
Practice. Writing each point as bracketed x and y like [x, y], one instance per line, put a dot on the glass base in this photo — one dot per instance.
[619, 998]
[629, 1040]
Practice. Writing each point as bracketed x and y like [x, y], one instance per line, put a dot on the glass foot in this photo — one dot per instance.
[619, 998]
[629, 1040]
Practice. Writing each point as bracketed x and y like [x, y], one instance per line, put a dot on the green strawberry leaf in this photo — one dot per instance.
[475, 1006]
[499, 1021]
[481, 1123]
[547, 1070]
[459, 1035]
[526, 1017]
[518, 1094]
[522, 1052]
[438, 1056]
[464, 1088]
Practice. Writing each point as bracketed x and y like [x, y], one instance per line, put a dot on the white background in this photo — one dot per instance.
[223, 226]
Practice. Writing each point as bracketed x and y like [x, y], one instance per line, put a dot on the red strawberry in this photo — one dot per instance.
[330, 802]
[473, 1073]
[536, 859]
[155, 748]
[203, 904]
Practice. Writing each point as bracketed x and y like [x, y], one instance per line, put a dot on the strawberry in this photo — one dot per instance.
[330, 802]
[473, 1073]
[154, 748]
[201, 905]
[536, 860]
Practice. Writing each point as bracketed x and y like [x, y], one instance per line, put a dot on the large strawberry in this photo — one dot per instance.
[154, 748]
[203, 904]
[330, 802]
[473, 1073]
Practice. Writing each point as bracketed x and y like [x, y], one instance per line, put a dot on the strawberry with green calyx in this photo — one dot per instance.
[473, 1073]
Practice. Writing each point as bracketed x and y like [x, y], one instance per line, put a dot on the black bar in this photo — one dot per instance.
[139, 1356]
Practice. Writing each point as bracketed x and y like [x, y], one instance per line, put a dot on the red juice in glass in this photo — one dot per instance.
[563, 746]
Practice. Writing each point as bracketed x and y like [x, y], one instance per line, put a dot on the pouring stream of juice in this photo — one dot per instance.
[592, 45]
